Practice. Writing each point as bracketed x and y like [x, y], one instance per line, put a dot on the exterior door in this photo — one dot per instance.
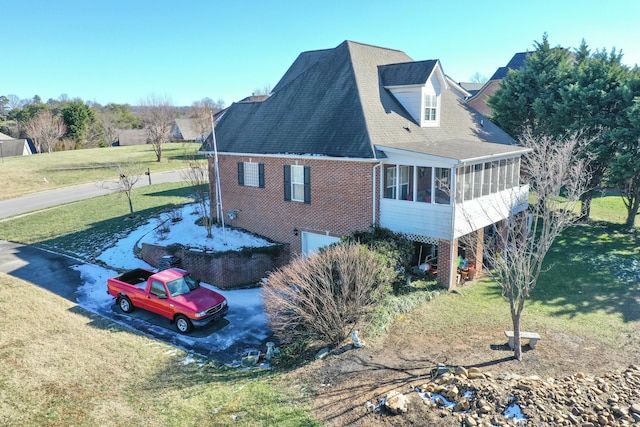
[312, 242]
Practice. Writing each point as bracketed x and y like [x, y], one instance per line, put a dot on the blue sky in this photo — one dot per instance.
[123, 51]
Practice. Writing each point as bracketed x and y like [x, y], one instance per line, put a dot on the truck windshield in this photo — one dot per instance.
[182, 286]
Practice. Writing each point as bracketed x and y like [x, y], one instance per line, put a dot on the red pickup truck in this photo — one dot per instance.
[172, 293]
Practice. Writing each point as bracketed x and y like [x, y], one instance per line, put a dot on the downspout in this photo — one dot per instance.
[373, 194]
[453, 271]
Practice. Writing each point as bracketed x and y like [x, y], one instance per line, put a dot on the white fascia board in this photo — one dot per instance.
[500, 156]
[297, 156]
[403, 87]
[457, 87]
[420, 156]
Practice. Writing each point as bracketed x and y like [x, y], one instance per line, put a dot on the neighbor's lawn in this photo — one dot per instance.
[85, 228]
[62, 365]
[21, 175]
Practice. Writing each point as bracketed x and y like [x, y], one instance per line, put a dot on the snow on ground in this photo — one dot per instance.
[247, 321]
[185, 232]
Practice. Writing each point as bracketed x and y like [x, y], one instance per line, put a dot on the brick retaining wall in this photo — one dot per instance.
[226, 270]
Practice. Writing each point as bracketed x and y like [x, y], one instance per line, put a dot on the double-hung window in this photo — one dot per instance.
[430, 108]
[390, 181]
[297, 183]
[251, 174]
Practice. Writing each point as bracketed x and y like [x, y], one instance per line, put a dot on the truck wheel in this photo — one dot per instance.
[183, 324]
[125, 304]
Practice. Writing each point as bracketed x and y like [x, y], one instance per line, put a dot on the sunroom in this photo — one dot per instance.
[436, 201]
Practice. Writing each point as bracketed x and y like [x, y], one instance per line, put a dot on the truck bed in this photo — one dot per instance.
[137, 277]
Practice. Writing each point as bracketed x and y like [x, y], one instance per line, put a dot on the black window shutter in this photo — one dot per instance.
[261, 175]
[307, 184]
[287, 182]
[240, 173]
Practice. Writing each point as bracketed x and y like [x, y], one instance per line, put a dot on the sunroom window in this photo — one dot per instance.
[390, 183]
[398, 182]
[443, 185]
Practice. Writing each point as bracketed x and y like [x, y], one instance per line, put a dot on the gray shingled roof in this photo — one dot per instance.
[406, 74]
[132, 137]
[188, 129]
[16, 147]
[516, 63]
[333, 103]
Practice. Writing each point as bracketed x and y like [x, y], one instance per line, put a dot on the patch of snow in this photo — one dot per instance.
[185, 232]
[247, 319]
[515, 412]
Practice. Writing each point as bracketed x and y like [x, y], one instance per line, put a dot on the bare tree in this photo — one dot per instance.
[158, 116]
[108, 123]
[45, 129]
[128, 175]
[201, 114]
[557, 178]
[15, 101]
[197, 175]
[478, 78]
[266, 90]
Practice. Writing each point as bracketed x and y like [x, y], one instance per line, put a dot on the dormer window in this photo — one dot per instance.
[430, 110]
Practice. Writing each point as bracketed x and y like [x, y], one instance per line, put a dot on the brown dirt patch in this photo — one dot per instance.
[403, 360]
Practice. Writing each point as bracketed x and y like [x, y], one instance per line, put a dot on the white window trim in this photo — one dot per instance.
[300, 169]
[251, 174]
[428, 98]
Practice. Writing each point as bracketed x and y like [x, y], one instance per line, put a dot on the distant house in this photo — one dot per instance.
[471, 87]
[480, 98]
[131, 137]
[187, 130]
[10, 147]
[359, 135]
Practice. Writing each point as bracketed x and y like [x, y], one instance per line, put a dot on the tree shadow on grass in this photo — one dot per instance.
[591, 269]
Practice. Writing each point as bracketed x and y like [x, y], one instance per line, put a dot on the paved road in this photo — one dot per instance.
[47, 199]
[54, 272]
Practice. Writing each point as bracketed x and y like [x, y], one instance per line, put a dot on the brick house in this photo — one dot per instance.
[360, 135]
[479, 99]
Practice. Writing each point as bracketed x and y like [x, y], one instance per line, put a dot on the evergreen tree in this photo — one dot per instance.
[528, 98]
[77, 118]
[624, 171]
[559, 93]
[591, 105]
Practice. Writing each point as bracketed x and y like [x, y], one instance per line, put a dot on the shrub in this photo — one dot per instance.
[395, 249]
[323, 297]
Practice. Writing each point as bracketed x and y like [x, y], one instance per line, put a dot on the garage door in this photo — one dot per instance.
[311, 242]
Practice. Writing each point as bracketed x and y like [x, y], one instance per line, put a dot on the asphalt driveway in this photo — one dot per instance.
[242, 328]
[224, 340]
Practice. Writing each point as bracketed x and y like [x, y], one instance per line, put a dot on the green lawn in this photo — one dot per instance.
[85, 228]
[65, 366]
[22, 175]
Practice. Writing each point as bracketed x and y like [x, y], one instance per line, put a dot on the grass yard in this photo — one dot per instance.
[64, 366]
[85, 228]
[22, 175]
